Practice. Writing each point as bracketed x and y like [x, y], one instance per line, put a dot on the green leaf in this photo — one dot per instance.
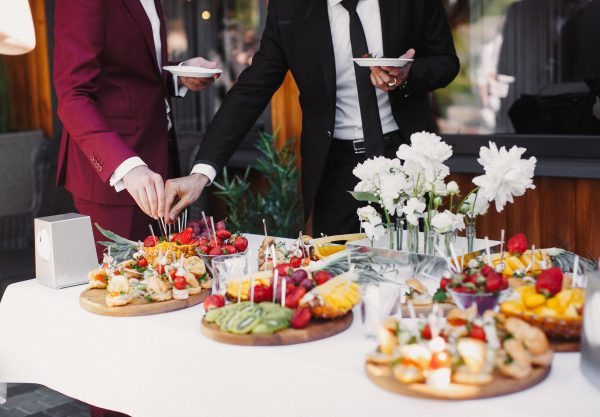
[440, 296]
[364, 196]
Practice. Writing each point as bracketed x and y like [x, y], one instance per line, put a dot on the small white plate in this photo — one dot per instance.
[382, 62]
[191, 71]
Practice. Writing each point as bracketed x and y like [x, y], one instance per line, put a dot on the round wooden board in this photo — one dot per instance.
[314, 331]
[499, 386]
[563, 346]
[425, 310]
[93, 300]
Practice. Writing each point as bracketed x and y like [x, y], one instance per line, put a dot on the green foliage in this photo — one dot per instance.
[279, 204]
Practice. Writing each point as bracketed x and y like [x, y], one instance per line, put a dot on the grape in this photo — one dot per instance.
[298, 276]
[307, 283]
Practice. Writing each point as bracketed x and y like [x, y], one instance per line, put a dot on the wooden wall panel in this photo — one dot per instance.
[30, 80]
[286, 115]
[560, 212]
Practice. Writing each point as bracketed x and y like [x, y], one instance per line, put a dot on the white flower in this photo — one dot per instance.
[371, 222]
[413, 210]
[365, 186]
[391, 192]
[481, 206]
[367, 214]
[506, 174]
[452, 187]
[374, 167]
[373, 231]
[447, 222]
[426, 155]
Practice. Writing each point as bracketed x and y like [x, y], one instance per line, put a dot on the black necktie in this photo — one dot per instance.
[367, 98]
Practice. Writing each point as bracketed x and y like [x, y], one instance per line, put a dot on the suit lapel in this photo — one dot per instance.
[317, 19]
[163, 37]
[139, 14]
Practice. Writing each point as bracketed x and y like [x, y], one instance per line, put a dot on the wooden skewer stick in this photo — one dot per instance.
[283, 287]
[275, 279]
[206, 224]
[151, 230]
[212, 223]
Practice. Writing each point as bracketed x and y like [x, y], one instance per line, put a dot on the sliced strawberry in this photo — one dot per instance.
[293, 298]
[214, 301]
[477, 332]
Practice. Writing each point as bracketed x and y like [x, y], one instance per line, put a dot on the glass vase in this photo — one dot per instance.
[399, 233]
[431, 241]
[471, 231]
[412, 238]
[446, 241]
[390, 232]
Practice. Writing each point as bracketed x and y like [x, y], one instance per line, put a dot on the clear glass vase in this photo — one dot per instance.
[431, 241]
[399, 233]
[390, 232]
[471, 231]
[412, 238]
[445, 241]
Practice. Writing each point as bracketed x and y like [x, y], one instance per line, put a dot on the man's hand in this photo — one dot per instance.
[197, 84]
[390, 78]
[186, 189]
[147, 189]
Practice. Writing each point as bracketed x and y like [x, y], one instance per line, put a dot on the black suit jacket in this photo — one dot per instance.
[297, 37]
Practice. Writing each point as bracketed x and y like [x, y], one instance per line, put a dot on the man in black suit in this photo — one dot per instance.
[349, 113]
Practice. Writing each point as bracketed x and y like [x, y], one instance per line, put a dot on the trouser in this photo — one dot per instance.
[334, 210]
[127, 221]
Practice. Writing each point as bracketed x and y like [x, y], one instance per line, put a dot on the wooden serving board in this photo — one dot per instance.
[563, 346]
[93, 300]
[499, 386]
[314, 331]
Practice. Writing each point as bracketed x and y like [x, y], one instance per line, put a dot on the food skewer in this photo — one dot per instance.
[212, 223]
[487, 251]
[275, 279]
[283, 290]
[207, 226]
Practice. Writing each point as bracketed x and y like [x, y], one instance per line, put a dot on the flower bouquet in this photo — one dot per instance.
[410, 191]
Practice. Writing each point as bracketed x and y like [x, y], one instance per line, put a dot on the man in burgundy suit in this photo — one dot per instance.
[113, 100]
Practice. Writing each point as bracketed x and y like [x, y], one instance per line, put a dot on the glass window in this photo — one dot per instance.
[527, 66]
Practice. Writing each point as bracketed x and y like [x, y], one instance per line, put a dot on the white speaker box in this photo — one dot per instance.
[64, 250]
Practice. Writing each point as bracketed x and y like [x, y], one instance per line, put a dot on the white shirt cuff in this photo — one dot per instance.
[116, 179]
[205, 170]
[180, 91]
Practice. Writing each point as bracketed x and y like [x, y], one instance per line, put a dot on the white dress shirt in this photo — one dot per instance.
[348, 123]
[116, 179]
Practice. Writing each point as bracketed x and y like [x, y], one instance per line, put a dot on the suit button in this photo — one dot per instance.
[329, 133]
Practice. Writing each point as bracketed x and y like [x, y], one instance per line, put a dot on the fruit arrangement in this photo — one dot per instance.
[549, 304]
[221, 242]
[272, 253]
[477, 279]
[464, 348]
[303, 294]
[329, 245]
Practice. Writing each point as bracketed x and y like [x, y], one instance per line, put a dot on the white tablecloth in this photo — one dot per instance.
[163, 366]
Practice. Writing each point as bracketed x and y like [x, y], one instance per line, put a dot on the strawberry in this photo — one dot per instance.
[300, 318]
[215, 243]
[220, 225]
[517, 244]
[203, 248]
[240, 243]
[296, 262]
[494, 282]
[223, 234]
[214, 301]
[426, 332]
[284, 270]
[263, 293]
[150, 241]
[444, 283]
[179, 283]
[321, 277]
[477, 332]
[203, 241]
[292, 299]
[184, 237]
[215, 250]
[142, 262]
[549, 282]
[229, 249]
[464, 290]
[487, 270]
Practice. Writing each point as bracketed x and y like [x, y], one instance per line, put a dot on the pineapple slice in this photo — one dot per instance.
[533, 300]
[515, 307]
[333, 299]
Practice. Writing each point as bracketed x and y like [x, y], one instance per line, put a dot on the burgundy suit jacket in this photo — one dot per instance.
[111, 94]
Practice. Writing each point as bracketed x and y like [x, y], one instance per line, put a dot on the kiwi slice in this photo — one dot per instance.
[246, 325]
[212, 315]
[234, 320]
[224, 317]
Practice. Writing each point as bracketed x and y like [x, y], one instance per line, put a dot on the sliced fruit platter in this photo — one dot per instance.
[464, 356]
[158, 276]
[289, 304]
[552, 305]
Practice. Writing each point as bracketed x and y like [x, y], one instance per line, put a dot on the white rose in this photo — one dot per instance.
[443, 222]
[452, 187]
[413, 210]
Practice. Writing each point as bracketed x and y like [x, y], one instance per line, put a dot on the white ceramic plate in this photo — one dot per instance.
[190, 71]
[382, 62]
